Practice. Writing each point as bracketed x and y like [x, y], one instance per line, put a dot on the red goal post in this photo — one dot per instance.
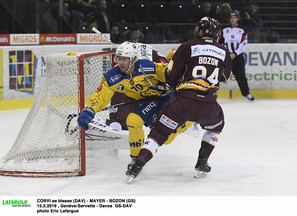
[50, 143]
[82, 96]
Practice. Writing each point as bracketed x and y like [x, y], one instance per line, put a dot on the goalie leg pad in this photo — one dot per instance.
[136, 133]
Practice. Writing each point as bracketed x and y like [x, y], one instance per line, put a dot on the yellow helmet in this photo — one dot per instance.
[170, 54]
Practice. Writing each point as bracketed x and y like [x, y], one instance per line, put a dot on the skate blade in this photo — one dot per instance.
[130, 179]
[200, 174]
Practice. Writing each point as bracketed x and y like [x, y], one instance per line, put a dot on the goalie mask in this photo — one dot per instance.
[209, 26]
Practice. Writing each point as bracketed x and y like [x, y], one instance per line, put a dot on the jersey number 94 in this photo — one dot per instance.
[200, 72]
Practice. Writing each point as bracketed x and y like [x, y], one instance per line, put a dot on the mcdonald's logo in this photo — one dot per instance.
[42, 39]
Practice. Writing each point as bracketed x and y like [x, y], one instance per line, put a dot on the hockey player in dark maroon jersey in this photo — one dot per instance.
[196, 69]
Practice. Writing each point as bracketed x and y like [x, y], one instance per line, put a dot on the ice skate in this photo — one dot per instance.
[130, 165]
[134, 171]
[202, 168]
[250, 97]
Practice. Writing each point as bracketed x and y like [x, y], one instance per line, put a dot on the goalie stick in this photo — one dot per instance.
[72, 129]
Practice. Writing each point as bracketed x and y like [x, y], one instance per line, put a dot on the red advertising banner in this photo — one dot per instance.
[57, 39]
[4, 39]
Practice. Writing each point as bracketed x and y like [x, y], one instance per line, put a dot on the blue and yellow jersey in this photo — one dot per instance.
[135, 85]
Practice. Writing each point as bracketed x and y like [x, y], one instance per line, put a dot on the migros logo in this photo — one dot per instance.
[24, 38]
[90, 38]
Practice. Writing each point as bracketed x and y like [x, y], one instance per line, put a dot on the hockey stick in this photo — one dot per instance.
[161, 88]
[102, 35]
[71, 127]
[126, 103]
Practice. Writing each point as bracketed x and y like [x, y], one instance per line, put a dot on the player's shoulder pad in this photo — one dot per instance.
[114, 76]
[148, 67]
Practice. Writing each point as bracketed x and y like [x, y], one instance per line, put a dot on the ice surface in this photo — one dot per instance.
[255, 156]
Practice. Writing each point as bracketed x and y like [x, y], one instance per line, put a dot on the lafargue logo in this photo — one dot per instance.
[16, 203]
[22, 70]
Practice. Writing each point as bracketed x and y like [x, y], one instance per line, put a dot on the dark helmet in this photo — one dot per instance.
[209, 26]
[235, 13]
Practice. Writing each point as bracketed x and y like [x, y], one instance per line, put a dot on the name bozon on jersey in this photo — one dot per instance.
[204, 69]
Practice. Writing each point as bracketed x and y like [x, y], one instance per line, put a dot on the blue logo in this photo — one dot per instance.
[136, 144]
[120, 87]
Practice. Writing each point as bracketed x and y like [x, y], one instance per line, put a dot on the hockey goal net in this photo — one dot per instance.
[50, 144]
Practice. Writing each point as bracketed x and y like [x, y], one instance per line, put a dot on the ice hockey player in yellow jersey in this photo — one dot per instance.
[137, 78]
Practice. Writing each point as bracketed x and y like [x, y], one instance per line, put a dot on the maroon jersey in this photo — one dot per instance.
[199, 65]
[158, 57]
[197, 68]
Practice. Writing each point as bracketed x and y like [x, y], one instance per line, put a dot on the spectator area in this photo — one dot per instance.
[159, 21]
